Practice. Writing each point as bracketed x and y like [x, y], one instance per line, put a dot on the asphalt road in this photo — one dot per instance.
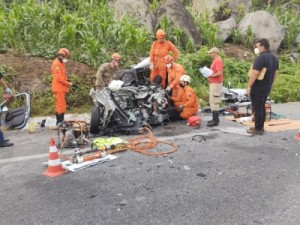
[229, 179]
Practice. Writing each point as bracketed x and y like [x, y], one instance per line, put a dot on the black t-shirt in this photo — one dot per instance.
[264, 86]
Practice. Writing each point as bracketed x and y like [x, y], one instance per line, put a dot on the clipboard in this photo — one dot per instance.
[205, 71]
[261, 74]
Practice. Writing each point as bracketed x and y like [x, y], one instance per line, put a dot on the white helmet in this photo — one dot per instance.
[186, 78]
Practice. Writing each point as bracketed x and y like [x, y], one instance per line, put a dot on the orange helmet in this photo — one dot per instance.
[168, 59]
[65, 52]
[160, 34]
[194, 121]
[116, 56]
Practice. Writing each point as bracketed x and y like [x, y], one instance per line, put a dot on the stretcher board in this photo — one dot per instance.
[74, 167]
[279, 125]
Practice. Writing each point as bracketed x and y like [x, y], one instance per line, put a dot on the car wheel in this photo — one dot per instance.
[95, 120]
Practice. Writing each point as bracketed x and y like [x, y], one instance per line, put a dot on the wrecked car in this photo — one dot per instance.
[137, 103]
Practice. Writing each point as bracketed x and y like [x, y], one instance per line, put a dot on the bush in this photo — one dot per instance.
[286, 86]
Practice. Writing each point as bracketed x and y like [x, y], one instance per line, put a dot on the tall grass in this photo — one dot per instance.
[290, 20]
[87, 28]
[208, 30]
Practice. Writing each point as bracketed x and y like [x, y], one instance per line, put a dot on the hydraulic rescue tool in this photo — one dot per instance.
[81, 157]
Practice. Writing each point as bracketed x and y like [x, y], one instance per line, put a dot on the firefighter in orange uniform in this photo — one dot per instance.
[175, 71]
[159, 49]
[60, 84]
[187, 102]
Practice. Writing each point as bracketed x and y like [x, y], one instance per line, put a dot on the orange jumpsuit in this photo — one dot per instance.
[189, 100]
[60, 86]
[174, 73]
[157, 53]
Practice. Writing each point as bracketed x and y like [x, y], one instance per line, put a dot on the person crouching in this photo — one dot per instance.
[186, 102]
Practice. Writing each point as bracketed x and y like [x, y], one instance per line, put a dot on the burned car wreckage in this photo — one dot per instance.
[137, 103]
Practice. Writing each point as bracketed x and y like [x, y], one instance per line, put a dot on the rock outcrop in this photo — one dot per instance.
[263, 25]
[237, 7]
[140, 9]
[225, 28]
[179, 16]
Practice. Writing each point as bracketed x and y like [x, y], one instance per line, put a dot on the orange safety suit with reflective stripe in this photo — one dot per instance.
[174, 73]
[157, 53]
[60, 85]
[189, 100]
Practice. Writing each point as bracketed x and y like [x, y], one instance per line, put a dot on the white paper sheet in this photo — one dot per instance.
[206, 72]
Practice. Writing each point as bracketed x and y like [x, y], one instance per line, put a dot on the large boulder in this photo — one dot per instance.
[263, 25]
[177, 15]
[139, 9]
[236, 6]
[225, 28]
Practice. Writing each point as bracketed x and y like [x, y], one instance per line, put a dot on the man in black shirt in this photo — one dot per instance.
[262, 76]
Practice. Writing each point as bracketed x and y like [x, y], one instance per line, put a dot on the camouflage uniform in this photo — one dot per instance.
[105, 75]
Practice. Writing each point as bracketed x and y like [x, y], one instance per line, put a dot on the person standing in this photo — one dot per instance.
[107, 72]
[60, 83]
[215, 85]
[186, 102]
[3, 142]
[259, 89]
[159, 49]
[175, 71]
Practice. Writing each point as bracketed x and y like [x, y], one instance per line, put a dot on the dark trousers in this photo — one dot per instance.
[258, 107]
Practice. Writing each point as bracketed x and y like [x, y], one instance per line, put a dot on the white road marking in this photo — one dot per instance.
[45, 155]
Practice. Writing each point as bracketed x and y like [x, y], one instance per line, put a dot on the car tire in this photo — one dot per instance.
[95, 120]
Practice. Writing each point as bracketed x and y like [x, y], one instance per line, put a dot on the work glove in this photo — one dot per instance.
[168, 89]
[151, 66]
[180, 108]
[8, 90]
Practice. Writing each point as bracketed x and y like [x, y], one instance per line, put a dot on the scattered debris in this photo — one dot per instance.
[186, 167]
[201, 175]
[198, 137]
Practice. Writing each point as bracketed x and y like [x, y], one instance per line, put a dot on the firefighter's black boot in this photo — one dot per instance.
[215, 121]
[59, 118]
[217, 117]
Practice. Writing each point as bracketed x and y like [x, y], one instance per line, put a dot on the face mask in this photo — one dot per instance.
[169, 65]
[64, 60]
[256, 51]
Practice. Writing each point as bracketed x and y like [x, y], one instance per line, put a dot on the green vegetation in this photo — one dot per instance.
[223, 12]
[89, 30]
[291, 23]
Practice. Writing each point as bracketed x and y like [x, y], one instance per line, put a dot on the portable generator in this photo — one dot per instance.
[74, 134]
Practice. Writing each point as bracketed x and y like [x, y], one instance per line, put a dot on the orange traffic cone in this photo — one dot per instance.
[54, 166]
[298, 136]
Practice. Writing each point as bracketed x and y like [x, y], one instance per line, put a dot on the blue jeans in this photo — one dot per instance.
[1, 134]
